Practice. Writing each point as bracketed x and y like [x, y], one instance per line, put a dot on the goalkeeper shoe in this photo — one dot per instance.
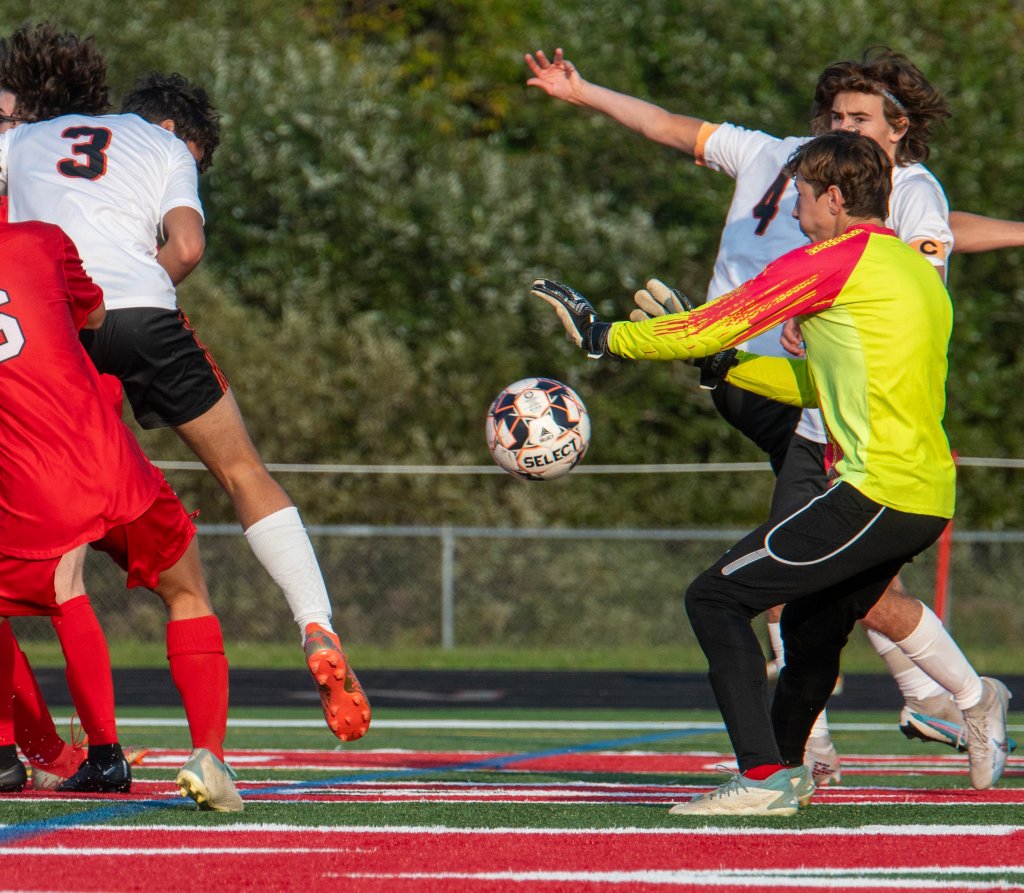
[744, 796]
[12, 776]
[111, 775]
[803, 785]
[210, 782]
[985, 734]
[346, 708]
[822, 761]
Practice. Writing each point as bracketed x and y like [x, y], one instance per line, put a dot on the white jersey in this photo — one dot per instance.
[107, 181]
[760, 226]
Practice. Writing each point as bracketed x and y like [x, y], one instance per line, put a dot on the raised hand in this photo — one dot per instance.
[558, 77]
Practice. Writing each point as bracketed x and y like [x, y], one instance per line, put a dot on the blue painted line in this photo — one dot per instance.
[118, 811]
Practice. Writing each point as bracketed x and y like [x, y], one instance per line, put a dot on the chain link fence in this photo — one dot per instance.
[445, 587]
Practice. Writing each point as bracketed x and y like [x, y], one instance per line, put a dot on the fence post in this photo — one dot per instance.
[943, 564]
[447, 589]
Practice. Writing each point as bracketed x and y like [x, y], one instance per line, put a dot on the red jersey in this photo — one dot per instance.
[69, 468]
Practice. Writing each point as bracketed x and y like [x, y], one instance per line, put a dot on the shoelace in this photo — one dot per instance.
[77, 736]
[736, 783]
[971, 724]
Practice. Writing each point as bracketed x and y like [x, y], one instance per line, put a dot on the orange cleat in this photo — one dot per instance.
[346, 708]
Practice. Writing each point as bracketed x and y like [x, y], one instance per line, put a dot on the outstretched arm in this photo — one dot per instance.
[560, 79]
[973, 233]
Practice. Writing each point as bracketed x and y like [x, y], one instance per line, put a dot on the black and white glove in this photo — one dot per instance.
[582, 326]
[659, 299]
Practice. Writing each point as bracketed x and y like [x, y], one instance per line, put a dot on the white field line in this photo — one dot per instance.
[755, 880]
[488, 724]
[958, 831]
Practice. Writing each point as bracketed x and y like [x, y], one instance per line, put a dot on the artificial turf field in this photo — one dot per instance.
[507, 800]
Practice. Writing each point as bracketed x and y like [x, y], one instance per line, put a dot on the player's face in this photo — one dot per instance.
[864, 113]
[816, 220]
[7, 101]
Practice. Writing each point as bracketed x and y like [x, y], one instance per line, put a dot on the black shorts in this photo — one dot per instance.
[168, 375]
[768, 423]
[801, 478]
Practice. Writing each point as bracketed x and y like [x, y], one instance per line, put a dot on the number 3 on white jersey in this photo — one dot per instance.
[11, 338]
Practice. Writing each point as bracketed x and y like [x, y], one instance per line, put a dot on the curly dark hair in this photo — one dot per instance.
[854, 163]
[52, 73]
[905, 93]
[171, 97]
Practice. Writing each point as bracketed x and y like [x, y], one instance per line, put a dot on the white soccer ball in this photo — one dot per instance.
[538, 429]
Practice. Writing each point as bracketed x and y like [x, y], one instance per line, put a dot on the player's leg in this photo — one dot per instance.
[275, 533]
[12, 772]
[799, 480]
[199, 668]
[159, 551]
[920, 635]
[34, 728]
[170, 379]
[821, 556]
[90, 681]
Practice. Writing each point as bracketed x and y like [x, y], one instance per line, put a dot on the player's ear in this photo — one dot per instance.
[836, 202]
[167, 124]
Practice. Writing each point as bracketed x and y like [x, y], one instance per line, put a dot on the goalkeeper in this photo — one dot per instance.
[876, 322]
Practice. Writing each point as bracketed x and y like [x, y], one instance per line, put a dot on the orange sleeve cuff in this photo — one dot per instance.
[706, 129]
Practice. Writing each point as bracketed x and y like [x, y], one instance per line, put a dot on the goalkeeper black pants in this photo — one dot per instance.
[828, 563]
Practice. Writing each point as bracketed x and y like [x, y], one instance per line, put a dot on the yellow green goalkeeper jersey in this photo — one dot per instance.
[876, 322]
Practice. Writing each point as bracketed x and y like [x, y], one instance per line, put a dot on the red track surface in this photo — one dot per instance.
[223, 856]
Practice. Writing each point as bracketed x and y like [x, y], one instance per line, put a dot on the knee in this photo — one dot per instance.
[699, 599]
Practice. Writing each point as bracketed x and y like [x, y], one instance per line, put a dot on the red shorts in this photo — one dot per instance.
[153, 542]
[26, 586]
[144, 548]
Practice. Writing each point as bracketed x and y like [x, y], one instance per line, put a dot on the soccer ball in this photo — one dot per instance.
[538, 429]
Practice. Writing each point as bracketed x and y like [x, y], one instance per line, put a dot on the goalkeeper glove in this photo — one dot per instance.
[659, 300]
[582, 326]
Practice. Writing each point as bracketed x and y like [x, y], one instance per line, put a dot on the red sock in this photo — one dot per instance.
[87, 668]
[7, 648]
[195, 651]
[760, 773]
[33, 726]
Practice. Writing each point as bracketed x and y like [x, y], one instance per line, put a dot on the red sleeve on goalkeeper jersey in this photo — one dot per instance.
[71, 469]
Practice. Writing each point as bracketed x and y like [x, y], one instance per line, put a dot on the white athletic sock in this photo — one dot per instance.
[932, 648]
[912, 680]
[820, 727]
[775, 637]
[282, 546]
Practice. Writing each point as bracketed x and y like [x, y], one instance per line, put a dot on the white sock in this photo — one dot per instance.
[280, 543]
[775, 637]
[820, 727]
[932, 648]
[912, 680]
